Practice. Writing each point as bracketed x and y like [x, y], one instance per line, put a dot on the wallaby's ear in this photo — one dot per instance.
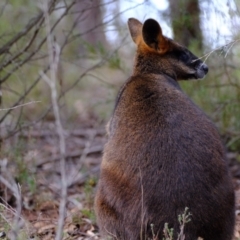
[152, 36]
[135, 28]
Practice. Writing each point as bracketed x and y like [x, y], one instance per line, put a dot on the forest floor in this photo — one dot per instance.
[33, 159]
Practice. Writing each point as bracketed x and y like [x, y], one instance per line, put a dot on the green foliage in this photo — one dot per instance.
[168, 232]
[15, 9]
[4, 225]
[90, 214]
[234, 144]
[23, 175]
[94, 51]
[115, 61]
[89, 189]
[218, 95]
[183, 219]
[22, 235]
[152, 229]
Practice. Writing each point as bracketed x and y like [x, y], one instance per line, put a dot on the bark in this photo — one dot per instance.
[90, 22]
[185, 18]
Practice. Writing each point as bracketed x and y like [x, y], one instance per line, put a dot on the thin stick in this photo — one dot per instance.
[207, 55]
[52, 81]
[10, 183]
[142, 214]
[18, 106]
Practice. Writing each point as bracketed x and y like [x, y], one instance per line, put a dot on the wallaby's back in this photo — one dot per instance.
[163, 153]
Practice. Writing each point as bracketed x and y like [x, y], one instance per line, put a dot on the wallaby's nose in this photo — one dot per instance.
[205, 68]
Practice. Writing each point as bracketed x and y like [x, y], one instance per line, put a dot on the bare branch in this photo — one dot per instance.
[18, 106]
[229, 45]
[54, 61]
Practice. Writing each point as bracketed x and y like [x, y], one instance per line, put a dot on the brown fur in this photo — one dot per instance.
[163, 152]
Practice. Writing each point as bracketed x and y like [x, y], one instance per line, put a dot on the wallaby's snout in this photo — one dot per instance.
[205, 68]
[201, 71]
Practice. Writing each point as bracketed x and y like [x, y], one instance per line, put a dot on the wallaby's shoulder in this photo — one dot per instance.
[141, 85]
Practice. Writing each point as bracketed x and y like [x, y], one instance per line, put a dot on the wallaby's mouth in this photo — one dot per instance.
[201, 71]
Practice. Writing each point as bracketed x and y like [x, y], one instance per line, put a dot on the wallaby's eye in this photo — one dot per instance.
[184, 57]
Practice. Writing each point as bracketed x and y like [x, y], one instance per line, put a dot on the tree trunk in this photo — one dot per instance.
[185, 18]
[90, 23]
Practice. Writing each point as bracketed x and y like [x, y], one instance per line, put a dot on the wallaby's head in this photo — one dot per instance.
[161, 55]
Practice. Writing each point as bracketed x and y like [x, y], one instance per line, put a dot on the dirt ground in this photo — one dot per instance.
[36, 166]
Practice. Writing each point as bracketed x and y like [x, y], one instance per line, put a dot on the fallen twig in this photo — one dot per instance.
[18, 106]
[75, 154]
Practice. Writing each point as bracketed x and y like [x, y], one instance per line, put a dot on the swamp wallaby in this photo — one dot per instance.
[163, 152]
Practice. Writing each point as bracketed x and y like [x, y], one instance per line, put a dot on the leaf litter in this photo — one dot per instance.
[36, 168]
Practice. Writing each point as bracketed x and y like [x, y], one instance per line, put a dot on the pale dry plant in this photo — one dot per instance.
[8, 181]
[183, 219]
[167, 232]
[225, 48]
[20, 105]
[54, 54]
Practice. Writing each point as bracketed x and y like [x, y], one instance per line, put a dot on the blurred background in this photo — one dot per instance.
[95, 58]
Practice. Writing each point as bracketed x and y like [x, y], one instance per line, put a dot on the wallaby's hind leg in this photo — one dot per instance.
[224, 233]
